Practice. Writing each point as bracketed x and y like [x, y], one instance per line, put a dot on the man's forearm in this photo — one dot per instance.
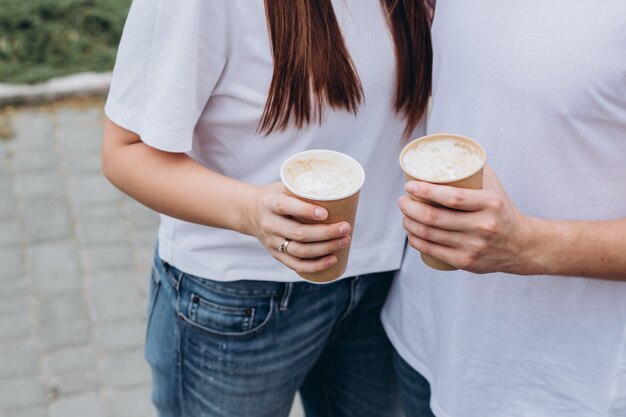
[580, 249]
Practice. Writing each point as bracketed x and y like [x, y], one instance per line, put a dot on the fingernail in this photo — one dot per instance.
[319, 213]
[331, 261]
[411, 188]
[344, 228]
[344, 242]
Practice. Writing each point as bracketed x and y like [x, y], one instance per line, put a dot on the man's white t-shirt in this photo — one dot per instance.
[542, 85]
[193, 76]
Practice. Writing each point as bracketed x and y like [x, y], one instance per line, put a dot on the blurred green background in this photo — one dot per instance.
[41, 39]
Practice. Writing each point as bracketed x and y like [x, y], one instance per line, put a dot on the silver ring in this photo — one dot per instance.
[283, 246]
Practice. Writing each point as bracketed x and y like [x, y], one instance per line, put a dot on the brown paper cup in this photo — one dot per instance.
[473, 181]
[340, 208]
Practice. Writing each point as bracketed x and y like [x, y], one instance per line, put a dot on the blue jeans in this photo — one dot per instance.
[414, 389]
[228, 349]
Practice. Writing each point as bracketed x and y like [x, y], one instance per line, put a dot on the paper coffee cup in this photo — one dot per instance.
[337, 193]
[469, 175]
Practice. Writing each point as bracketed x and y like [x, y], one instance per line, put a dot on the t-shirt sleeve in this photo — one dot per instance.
[171, 57]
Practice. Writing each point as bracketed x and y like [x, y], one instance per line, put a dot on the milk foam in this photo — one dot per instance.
[442, 160]
[322, 178]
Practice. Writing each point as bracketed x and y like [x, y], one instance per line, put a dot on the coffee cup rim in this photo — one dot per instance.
[310, 153]
[436, 136]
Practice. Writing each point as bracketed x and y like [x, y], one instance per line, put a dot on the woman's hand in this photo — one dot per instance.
[483, 233]
[275, 217]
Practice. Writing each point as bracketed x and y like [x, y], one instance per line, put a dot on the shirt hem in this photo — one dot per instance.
[390, 260]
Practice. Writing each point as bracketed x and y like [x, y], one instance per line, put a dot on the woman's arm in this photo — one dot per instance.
[486, 233]
[176, 185]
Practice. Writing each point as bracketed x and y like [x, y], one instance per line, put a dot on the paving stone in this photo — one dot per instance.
[65, 334]
[7, 206]
[19, 360]
[115, 297]
[12, 263]
[62, 307]
[3, 151]
[84, 116]
[106, 256]
[64, 321]
[37, 184]
[140, 216]
[143, 259]
[103, 230]
[23, 392]
[98, 211]
[28, 161]
[47, 218]
[26, 412]
[76, 383]
[145, 237]
[119, 335]
[33, 129]
[80, 138]
[125, 369]
[11, 287]
[15, 326]
[81, 163]
[71, 361]
[91, 190]
[10, 232]
[14, 305]
[143, 279]
[132, 403]
[55, 267]
[7, 198]
[79, 406]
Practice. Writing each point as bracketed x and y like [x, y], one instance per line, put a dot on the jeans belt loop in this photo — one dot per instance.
[284, 302]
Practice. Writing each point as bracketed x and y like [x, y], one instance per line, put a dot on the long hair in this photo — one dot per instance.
[313, 69]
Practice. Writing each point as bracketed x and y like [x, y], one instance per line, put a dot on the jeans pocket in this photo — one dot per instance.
[221, 313]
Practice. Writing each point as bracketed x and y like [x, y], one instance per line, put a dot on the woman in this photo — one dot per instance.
[542, 85]
[208, 99]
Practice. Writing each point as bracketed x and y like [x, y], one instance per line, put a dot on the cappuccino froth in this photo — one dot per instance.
[443, 160]
[322, 178]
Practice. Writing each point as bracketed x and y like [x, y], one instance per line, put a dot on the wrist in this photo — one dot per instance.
[541, 250]
[533, 257]
[245, 222]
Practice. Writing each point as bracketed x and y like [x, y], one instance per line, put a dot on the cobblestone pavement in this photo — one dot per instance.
[74, 261]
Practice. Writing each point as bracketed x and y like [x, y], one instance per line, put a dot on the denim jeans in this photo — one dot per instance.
[414, 389]
[229, 349]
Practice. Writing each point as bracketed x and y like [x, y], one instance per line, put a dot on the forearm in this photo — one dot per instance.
[176, 185]
[579, 249]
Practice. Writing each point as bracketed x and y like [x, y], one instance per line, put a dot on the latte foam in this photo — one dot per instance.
[322, 178]
[443, 160]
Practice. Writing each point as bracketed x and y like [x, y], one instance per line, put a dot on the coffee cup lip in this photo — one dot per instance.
[436, 136]
[313, 153]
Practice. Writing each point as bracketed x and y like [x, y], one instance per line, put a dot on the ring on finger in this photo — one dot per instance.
[283, 246]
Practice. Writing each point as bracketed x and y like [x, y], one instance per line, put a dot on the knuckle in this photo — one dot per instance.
[458, 197]
[281, 205]
[488, 228]
[431, 215]
[425, 232]
[468, 261]
[495, 204]
[299, 234]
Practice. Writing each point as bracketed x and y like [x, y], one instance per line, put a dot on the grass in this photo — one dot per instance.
[41, 39]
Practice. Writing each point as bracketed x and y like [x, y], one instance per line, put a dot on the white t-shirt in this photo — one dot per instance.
[193, 76]
[542, 85]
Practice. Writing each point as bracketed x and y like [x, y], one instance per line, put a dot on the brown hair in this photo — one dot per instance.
[311, 59]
